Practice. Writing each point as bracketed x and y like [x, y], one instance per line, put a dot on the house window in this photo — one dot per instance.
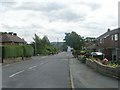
[116, 37]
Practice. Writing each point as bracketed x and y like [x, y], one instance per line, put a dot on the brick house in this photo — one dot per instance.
[10, 39]
[109, 44]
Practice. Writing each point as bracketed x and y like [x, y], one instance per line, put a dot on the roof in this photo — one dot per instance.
[109, 33]
[11, 38]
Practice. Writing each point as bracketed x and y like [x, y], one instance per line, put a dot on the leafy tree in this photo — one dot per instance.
[45, 40]
[37, 44]
[74, 40]
[42, 46]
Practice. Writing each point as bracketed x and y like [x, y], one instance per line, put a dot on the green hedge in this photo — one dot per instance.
[13, 51]
[28, 50]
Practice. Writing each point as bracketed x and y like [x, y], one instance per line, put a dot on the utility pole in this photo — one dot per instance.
[58, 44]
[57, 41]
[35, 44]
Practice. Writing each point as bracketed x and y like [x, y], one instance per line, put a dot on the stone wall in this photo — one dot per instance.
[103, 69]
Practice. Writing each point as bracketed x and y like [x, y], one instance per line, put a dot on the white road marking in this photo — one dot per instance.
[41, 63]
[32, 67]
[7, 65]
[43, 57]
[16, 73]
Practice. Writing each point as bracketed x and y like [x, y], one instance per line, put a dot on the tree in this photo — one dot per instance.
[45, 40]
[37, 44]
[42, 46]
[74, 40]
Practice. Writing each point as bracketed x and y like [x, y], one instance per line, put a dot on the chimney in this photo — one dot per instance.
[15, 34]
[108, 30]
[4, 33]
[10, 33]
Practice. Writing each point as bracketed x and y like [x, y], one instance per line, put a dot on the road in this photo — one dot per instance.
[39, 72]
[53, 72]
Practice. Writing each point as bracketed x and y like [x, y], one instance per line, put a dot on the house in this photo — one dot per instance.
[10, 39]
[90, 44]
[109, 44]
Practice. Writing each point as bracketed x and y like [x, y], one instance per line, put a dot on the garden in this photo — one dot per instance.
[98, 62]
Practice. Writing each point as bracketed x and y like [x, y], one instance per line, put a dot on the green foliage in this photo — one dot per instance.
[13, 51]
[45, 40]
[82, 58]
[113, 65]
[42, 46]
[74, 40]
[75, 54]
[8, 51]
[64, 47]
[28, 50]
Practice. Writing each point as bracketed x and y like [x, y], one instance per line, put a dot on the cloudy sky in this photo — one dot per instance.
[89, 18]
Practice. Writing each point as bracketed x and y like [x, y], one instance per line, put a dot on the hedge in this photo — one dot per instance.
[13, 51]
[28, 50]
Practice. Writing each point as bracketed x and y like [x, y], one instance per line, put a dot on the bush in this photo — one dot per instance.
[28, 50]
[82, 58]
[13, 51]
[113, 65]
[10, 51]
[76, 53]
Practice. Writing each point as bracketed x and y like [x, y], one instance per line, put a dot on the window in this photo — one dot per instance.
[116, 37]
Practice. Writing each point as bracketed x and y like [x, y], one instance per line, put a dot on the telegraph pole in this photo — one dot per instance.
[57, 44]
[35, 44]
[57, 41]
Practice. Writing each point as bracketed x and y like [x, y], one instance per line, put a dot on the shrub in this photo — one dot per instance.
[10, 51]
[82, 58]
[28, 50]
[13, 51]
[110, 64]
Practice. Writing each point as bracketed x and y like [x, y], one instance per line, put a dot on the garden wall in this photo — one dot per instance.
[103, 69]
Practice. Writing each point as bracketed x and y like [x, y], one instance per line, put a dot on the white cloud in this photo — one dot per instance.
[55, 17]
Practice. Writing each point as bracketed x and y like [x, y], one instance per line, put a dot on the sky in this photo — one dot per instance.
[54, 18]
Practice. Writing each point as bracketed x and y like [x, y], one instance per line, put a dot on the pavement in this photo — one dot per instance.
[85, 77]
[39, 72]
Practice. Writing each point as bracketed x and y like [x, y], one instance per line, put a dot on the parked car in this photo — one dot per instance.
[98, 55]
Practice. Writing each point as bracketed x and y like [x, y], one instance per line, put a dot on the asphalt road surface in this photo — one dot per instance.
[39, 72]
[53, 72]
